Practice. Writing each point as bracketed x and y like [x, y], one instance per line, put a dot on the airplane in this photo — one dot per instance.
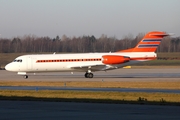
[88, 62]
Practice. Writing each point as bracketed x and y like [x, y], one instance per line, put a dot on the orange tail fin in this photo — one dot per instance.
[149, 43]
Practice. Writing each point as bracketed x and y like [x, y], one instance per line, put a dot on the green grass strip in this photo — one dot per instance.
[89, 96]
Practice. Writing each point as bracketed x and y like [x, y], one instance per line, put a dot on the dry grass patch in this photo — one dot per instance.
[98, 84]
[92, 95]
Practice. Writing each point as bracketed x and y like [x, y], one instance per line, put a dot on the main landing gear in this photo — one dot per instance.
[88, 75]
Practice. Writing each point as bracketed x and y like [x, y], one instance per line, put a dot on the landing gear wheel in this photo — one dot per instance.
[88, 75]
[25, 76]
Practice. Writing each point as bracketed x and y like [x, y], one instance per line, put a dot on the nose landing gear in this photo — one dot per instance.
[25, 76]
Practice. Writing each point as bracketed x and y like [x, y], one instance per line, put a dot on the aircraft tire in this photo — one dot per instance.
[88, 75]
[25, 76]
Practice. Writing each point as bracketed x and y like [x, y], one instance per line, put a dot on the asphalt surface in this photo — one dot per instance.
[114, 75]
[36, 110]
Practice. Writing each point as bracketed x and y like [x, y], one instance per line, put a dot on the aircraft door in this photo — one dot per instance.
[29, 63]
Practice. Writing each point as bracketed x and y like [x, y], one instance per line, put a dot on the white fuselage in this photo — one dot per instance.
[73, 62]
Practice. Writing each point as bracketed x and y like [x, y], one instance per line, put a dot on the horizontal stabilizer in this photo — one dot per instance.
[162, 35]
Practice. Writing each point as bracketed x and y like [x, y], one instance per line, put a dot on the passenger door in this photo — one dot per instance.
[29, 63]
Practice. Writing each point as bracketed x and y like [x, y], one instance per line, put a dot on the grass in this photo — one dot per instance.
[161, 62]
[88, 95]
[98, 84]
[169, 55]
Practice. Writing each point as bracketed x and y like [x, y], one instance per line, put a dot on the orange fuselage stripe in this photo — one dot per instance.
[86, 60]
[69, 60]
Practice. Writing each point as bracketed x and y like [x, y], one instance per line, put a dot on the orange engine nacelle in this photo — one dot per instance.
[114, 59]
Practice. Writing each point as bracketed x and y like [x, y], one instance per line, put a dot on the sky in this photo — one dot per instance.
[75, 18]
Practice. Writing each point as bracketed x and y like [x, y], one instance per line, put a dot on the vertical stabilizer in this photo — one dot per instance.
[149, 43]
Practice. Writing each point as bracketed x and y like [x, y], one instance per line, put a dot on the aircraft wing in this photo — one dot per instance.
[93, 67]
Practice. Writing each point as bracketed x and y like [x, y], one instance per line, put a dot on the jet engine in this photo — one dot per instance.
[114, 59]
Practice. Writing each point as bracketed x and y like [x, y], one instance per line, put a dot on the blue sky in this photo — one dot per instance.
[87, 17]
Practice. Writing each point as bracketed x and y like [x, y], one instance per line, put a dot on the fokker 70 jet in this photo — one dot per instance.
[88, 62]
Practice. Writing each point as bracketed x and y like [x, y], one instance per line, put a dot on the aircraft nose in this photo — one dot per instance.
[11, 67]
[7, 67]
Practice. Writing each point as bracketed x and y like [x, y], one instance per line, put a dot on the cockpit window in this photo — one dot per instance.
[18, 60]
